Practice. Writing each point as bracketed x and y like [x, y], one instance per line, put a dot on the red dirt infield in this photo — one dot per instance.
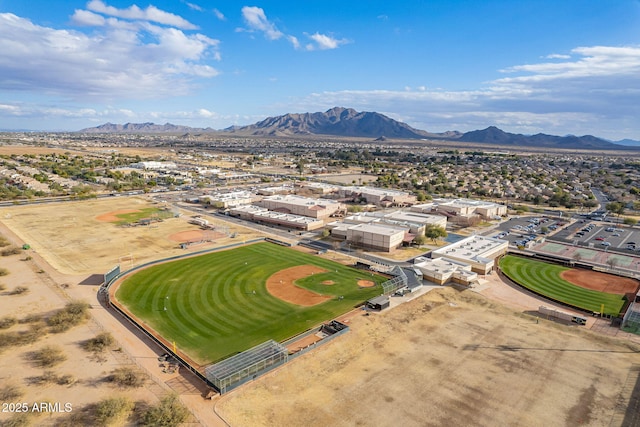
[366, 283]
[281, 285]
[602, 282]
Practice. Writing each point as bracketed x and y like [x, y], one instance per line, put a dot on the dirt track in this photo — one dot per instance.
[447, 358]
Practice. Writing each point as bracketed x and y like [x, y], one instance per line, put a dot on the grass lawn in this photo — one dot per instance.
[212, 310]
[128, 218]
[544, 278]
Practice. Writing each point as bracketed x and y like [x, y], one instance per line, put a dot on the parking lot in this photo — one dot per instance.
[520, 231]
[584, 232]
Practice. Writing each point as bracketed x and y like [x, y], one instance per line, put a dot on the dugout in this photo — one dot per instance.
[379, 303]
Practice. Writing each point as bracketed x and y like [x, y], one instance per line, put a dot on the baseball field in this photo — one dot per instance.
[221, 303]
[546, 279]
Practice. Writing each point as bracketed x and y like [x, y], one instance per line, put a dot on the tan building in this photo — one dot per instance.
[478, 251]
[265, 216]
[379, 196]
[462, 207]
[444, 270]
[296, 205]
[375, 236]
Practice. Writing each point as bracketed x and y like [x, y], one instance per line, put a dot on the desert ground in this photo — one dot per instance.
[87, 371]
[75, 238]
[450, 357]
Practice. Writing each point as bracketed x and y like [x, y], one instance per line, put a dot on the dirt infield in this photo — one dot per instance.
[366, 283]
[113, 216]
[282, 285]
[602, 282]
[328, 282]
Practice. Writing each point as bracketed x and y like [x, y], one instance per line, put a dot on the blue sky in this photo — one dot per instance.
[526, 66]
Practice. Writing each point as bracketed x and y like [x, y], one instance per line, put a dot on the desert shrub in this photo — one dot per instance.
[127, 377]
[21, 419]
[47, 356]
[7, 322]
[4, 272]
[99, 343]
[4, 242]
[169, 412]
[113, 409]
[19, 290]
[71, 315]
[11, 339]
[31, 318]
[3, 287]
[10, 392]
[50, 377]
[28, 258]
[14, 250]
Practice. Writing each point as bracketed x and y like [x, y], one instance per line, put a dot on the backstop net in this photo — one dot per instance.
[399, 281]
[631, 321]
[236, 370]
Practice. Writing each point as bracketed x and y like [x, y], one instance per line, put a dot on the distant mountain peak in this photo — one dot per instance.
[337, 121]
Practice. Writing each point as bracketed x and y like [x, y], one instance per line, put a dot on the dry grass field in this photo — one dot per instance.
[447, 358]
[71, 238]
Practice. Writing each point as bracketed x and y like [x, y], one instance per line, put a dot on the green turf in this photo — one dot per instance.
[212, 310]
[544, 278]
[128, 218]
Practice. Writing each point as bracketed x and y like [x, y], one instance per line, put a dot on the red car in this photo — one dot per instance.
[599, 238]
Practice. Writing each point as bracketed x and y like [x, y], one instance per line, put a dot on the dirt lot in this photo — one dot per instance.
[89, 386]
[448, 358]
[72, 239]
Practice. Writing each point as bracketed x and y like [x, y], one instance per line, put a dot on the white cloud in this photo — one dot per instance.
[151, 13]
[219, 15]
[86, 18]
[557, 56]
[194, 6]
[119, 59]
[256, 20]
[324, 42]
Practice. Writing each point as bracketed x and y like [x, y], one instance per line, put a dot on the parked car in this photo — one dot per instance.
[599, 238]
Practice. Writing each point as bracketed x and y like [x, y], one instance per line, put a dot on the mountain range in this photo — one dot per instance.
[347, 122]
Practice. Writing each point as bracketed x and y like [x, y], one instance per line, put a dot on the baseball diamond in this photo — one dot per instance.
[218, 304]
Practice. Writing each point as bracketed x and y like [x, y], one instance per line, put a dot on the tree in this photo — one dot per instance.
[420, 240]
[630, 221]
[434, 232]
[616, 207]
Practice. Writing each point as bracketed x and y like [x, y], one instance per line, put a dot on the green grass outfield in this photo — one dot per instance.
[544, 279]
[128, 218]
[212, 310]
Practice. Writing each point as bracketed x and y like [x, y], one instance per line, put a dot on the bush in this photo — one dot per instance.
[10, 339]
[22, 419]
[71, 315]
[10, 392]
[49, 377]
[19, 290]
[4, 272]
[7, 322]
[127, 377]
[48, 356]
[3, 287]
[112, 409]
[98, 344]
[169, 412]
[4, 242]
[31, 318]
[14, 250]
